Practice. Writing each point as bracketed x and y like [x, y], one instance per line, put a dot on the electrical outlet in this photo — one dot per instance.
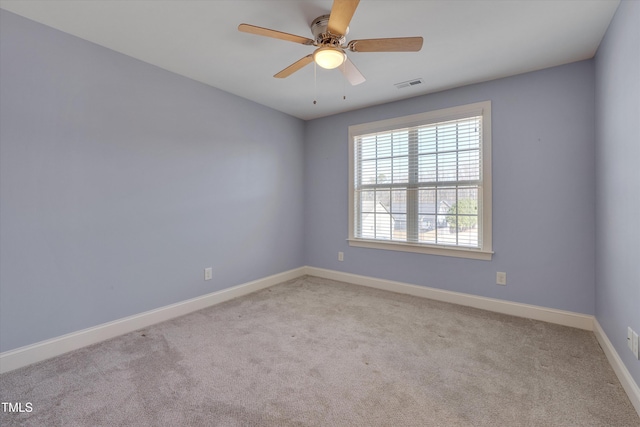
[630, 338]
[208, 273]
[501, 278]
[340, 256]
[635, 345]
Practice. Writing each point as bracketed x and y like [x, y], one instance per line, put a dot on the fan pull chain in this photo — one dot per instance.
[315, 83]
[344, 81]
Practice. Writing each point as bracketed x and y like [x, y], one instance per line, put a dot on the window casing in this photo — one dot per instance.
[422, 183]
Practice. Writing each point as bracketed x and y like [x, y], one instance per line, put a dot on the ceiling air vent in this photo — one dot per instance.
[409, 83]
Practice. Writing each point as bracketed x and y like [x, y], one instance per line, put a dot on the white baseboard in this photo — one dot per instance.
[23, 356]
[560, 317]
[629, 385]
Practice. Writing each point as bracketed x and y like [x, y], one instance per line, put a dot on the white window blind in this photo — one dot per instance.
[421, 184]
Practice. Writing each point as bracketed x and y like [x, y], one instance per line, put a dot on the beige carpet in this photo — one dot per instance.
[314, 352]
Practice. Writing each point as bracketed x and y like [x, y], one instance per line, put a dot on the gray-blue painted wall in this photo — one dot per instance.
[120, 182]
[618, 181]
[543, 192]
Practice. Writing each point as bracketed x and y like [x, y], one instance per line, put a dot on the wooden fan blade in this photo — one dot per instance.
[341, 13]
[400, 44]
[353, 75]
[294, 67]
[252, 29]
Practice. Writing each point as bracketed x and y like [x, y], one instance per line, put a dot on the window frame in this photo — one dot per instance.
[483, 108]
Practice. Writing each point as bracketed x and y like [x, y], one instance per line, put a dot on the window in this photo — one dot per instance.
[422, 183]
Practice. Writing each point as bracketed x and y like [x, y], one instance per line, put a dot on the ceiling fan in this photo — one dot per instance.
[329, 32]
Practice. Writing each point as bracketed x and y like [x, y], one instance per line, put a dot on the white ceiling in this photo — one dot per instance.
[464, 42]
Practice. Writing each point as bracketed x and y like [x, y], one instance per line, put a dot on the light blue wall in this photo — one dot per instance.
[618, 181]
[120, 182]
[543, 192]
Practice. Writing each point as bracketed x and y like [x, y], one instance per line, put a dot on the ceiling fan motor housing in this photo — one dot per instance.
[322, 36]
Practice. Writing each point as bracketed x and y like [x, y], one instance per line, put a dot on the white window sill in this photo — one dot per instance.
[423, 249]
